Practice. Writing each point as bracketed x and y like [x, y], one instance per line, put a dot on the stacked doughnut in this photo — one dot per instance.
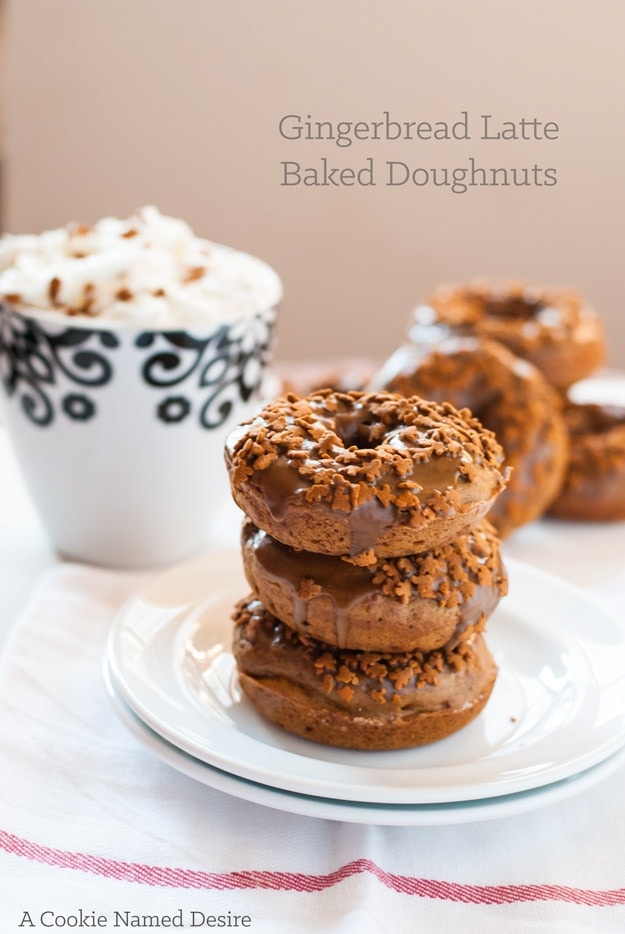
[510, 351]
[372, 569]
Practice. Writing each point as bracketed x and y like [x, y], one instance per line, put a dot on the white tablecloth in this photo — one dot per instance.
[93, 822]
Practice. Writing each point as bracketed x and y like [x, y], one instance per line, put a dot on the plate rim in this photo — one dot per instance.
[295, 782]
[383, 814]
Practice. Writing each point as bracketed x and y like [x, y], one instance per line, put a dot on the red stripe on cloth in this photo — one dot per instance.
[173, 877]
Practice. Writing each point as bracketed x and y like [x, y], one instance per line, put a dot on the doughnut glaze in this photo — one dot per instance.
[355, 699]
[364, 473]
[415, 602]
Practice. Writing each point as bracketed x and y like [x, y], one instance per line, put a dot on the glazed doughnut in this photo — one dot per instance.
[417, 602]
[356, 473]
[552, 328]
[594, 485]
[511, 398]
[358, 700]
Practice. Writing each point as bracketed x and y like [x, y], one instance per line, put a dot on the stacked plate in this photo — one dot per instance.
[554, 725]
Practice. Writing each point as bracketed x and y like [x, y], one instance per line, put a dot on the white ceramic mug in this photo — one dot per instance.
[119, 430]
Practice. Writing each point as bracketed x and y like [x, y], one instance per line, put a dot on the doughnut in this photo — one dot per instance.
[553, 328]
[417, 602]
[363, 473]
[355, 699]
[594, 485]
[511, 398]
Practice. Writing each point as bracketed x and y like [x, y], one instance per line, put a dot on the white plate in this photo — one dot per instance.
[558, 707]
[607, 389]
[358, 812]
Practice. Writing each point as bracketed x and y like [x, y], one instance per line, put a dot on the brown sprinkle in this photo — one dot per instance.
[54, 288]
[346, 446]
[194, 273]
[308, 589]
[340, 671]
[78, 229]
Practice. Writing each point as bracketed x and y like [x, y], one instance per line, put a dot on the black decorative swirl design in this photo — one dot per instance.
[35, 360]
[226, 367]
[173, 409]
[78, 407]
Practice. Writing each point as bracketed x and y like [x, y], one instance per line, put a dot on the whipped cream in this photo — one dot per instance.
[149, 270]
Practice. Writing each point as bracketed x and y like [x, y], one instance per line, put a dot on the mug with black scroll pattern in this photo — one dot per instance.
[119, 431]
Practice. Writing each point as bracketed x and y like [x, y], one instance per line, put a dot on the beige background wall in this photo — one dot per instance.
[110, 104]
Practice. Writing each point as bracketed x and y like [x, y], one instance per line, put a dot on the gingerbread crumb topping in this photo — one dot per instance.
[549, 314]
[351, 448]
[449, 575]
[383, 677]
[308, 589]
